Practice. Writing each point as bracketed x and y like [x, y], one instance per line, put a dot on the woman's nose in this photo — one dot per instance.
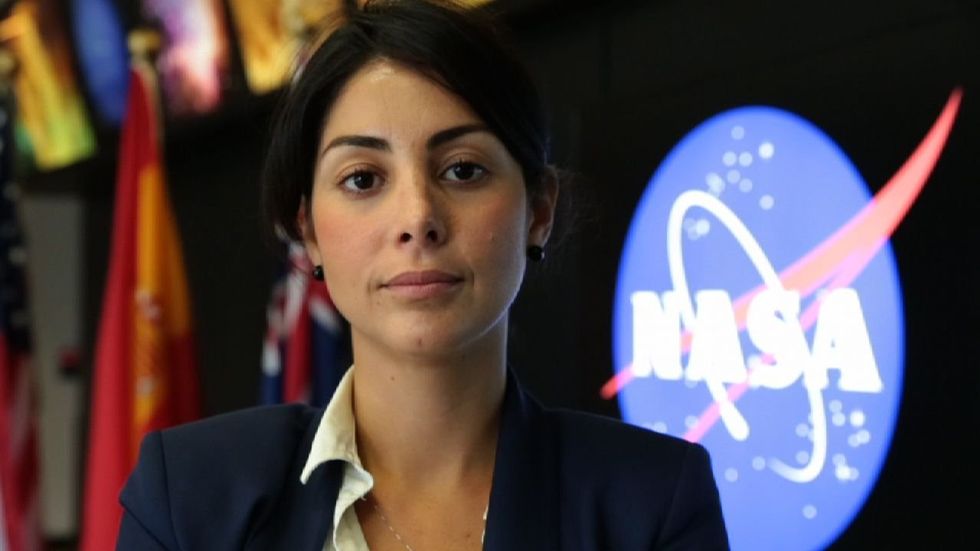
[422, 215]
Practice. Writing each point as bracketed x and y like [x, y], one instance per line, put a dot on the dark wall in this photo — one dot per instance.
[624, 82]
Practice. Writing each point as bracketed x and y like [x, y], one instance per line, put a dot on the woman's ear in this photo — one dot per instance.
[304, 223]
[543, 203]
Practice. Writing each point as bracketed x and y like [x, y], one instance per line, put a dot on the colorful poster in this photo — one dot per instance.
[271, 34]
[53, 128]
[100, 42]
[194, 62]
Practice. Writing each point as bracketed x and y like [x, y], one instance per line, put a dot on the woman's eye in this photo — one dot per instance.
[463, 171]
[360, 181]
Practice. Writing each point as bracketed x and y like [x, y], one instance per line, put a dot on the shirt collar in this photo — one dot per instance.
[334, 438]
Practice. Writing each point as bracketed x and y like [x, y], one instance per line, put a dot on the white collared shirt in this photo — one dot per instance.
[334, 439]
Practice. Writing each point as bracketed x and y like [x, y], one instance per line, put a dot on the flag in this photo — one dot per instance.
[19, 529]
[307, 348]
[144, 376]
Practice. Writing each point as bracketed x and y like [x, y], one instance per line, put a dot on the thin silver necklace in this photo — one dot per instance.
[377, 509]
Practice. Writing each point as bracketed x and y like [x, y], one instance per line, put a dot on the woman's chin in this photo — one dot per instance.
[434, 344]
[425, 338]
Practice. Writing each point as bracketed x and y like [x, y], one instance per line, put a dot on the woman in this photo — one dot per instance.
[410, 158]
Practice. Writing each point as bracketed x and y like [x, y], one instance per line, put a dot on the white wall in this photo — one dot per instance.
[53, 227]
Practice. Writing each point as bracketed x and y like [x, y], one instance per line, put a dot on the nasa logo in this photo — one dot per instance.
[758, 312]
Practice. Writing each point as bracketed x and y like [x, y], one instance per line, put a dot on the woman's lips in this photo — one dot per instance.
[422, 284]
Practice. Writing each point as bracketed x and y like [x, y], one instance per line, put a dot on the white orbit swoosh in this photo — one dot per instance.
[733, 419]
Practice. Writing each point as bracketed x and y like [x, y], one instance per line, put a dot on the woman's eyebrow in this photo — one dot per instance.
[357, 141]
[444, 136]
[439, 138]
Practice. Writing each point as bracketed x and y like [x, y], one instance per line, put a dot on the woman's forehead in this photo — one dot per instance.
[393, 100]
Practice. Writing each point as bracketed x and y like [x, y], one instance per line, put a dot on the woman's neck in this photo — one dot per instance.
[425, 421]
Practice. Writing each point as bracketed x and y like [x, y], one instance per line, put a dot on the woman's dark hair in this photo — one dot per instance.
[457, 48]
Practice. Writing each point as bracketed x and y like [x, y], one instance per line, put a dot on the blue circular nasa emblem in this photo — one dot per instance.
[758, 312]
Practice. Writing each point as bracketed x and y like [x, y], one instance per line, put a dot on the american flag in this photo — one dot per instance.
[307, 348]
[19, 528]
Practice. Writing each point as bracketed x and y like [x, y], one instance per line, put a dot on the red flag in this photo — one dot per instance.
[144, 375]
[19, 529]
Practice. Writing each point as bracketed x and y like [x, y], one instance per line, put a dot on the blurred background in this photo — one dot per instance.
[624, 82]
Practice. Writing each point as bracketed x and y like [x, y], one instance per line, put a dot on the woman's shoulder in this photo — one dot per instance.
[262, 426]
[210, 478]
[233, 447]
[607, 454]
[243, 440]
[604, 435]
[637, 485]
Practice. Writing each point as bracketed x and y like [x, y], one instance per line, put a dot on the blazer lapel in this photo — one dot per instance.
[524, 498]
[303, 517]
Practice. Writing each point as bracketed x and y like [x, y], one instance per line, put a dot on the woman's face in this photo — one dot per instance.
[419, 216]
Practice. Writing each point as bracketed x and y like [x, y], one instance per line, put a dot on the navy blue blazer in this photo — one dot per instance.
[562, 480]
